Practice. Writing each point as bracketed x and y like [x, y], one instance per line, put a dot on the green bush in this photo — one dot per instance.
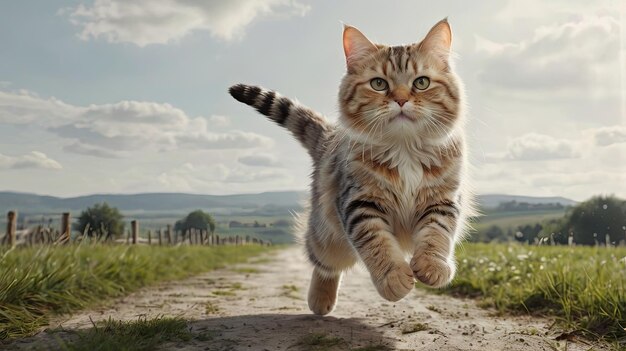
[101, 220]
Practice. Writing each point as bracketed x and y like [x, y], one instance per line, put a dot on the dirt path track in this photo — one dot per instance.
[262, 306]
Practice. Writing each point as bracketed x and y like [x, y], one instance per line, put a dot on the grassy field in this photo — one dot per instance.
[584, 287]
[38, 282]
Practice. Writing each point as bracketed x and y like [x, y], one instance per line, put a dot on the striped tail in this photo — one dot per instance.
[309, 127]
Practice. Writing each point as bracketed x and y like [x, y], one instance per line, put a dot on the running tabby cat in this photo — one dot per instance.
[388, 180]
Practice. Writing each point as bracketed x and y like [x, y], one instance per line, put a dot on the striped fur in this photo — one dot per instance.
[389, 178]
[307, 126]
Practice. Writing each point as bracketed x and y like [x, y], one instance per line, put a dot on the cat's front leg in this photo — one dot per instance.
[433, 259]
[370, 234]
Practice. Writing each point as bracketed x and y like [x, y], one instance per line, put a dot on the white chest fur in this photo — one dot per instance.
[409, 164]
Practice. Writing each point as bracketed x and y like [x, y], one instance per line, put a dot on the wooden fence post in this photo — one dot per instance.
[40, 234]
[66, 233]
[149, 237]
[134, 225]
[169, 234]
[160, 240]
[11, 225]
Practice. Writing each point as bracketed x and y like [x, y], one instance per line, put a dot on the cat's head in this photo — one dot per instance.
[407, 91]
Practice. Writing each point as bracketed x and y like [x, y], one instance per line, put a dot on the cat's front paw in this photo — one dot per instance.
[397, 283]
[432, 269]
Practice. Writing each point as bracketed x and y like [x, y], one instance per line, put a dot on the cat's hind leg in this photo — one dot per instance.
[328, 262]
[323, 292]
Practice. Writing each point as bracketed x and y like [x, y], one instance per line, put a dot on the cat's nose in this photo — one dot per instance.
[401, 102]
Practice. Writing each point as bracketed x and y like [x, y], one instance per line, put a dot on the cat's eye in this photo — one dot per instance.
[421, 83]
[379, 84]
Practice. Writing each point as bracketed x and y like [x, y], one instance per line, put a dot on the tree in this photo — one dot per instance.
[495, 233]
[528, 233]
[601, 215]
[101, 220]
[196, 220]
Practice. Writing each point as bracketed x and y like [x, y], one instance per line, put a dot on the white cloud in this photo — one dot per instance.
[110, 130]
[219, 121]
[606, 136]
[259, 160]
[579, 58]
[218, 177]
[90, 150]
[144, 22]
[23, 107]
[34, 159]
[532, 146]
[596, 169]
[568, 179]
[539, 9]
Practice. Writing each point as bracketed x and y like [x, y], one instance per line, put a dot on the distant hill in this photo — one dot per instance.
[154, 202]
[493, 200]
[268, 202]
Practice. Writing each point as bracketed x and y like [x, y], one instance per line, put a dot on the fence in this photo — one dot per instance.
[46, 235]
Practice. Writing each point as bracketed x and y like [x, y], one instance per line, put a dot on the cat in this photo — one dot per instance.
[389, 178]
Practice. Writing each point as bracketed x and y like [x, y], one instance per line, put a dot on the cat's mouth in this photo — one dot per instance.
[403, 117]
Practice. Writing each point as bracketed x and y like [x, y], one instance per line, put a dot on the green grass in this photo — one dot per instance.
[290, 291]
[230, 291]
[140, 335]
[584, 287]
[38, 282]
[319, 342]
[211, 308]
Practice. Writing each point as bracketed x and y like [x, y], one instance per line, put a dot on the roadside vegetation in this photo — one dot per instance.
[583, 287]
[38, 282]
[140, 335]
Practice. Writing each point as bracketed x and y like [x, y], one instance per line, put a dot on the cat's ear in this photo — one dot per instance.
[438, 39]
[355, 45]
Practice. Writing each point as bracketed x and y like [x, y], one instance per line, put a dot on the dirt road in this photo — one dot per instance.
[262, 306]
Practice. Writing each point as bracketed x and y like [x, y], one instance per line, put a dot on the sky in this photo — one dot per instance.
[117, 96]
